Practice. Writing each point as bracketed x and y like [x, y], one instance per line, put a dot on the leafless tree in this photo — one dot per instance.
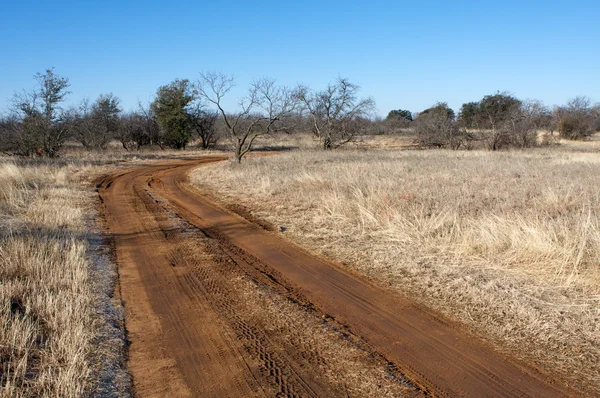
[132, 131]
[525, 122]
[138, 129]
[11, 135]
[204, 124]
[94, 125]
[396, 124]
[261, 112]
[576, 120]
[334, 112]
[83, 125]
[151, 125]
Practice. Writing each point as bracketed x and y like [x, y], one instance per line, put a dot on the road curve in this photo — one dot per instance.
[167, 317]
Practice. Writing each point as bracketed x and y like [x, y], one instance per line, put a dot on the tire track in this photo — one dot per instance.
[281, 367]
[192, 316]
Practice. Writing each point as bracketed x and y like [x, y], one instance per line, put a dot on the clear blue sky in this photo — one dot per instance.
[403, 54]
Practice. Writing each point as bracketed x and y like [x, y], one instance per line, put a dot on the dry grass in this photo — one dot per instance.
[57, 334]
[47, 309]
[307, 141]
[507, 243]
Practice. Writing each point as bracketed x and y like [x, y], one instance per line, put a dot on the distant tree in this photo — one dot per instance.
[440, 108]
[10, 131]
[527, 121]
[151, 126]
[139, 128]
[436, 127]
[204, 124]
[469, 114]
[400, 113]
[496, 115]
[596, 115]
[42, 129]
[504, 121]
[578, 119]
[395, 122]
[261, 112]
[171, 108]
[83, 126]
[132, 131]
[95, 125]
[496, 109]
[106, 112]
[337, 114]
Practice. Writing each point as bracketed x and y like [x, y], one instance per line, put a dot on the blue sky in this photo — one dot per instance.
[405, 55]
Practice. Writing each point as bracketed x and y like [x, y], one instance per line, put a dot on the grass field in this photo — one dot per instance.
[47, 306]
[507, 243]
[61, 330]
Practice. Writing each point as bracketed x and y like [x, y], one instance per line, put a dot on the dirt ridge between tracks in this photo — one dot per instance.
[193, 272]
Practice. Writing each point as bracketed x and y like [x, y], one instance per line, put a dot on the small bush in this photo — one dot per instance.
[574, 128]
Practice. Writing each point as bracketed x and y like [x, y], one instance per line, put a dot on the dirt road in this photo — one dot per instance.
[218, 306]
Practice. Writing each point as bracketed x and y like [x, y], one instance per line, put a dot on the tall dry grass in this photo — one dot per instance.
[46, 304]
[54, 324]
[507, 243]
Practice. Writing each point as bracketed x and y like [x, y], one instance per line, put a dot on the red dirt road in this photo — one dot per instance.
[192, 276]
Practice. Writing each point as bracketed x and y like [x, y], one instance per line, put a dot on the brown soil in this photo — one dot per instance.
[218, 306]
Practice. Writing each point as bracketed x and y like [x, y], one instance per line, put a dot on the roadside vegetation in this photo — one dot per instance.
[60, 333]
[507, 243]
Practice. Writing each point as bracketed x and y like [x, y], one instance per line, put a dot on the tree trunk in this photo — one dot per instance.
[327, 144]
[238, 153]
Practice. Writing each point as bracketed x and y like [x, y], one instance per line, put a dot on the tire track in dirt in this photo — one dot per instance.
[188, 268]
[156, 306]
[194, 322]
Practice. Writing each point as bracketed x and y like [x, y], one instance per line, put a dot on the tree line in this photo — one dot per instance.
[184, 111]
[499, 121]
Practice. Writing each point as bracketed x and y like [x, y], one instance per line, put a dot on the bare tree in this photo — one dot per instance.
[577, 119]
[335, 112]
[139, 128]
[95, 125]
[204, 124]
[261, 112]
[152, 127]
[525, 122]
[596, 116]
[132, 131]
[11, 133]
[83, 125]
